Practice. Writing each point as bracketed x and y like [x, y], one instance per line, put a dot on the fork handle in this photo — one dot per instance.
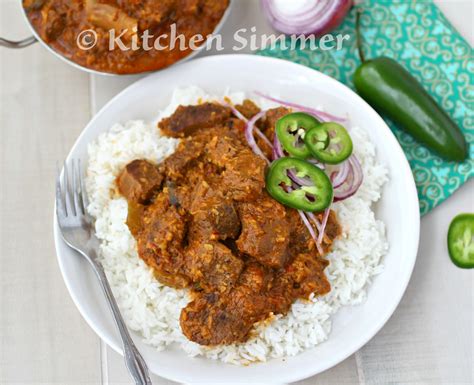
[134, 361]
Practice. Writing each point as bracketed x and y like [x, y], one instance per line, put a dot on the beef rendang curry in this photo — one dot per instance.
[61, 24]
[203, 220]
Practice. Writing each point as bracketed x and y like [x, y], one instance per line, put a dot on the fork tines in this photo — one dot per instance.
[71, 199]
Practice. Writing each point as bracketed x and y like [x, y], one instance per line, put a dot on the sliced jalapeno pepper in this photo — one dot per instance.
[329, 143]
[461, 241]
[291, 130]
[317, 195]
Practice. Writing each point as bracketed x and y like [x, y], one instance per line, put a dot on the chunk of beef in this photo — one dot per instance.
[186, 120]
[212, 265]
[139, 181]
[207, 322]
[33, 5]
[150, 13]
[265, 231]
[237, 126]
[178, 165]
[222, 145]
[244, 176]
[333, 228]
[184, 194]
[54, 17]
[306, 274]
[303, 275]
[300, 239]
[331, 232]
[161, 241]
[135, 217]
[213, 319]
[248, 108]
[256, 278]
[271, 117]
[214, 214]
[244, 172]
[111, 17]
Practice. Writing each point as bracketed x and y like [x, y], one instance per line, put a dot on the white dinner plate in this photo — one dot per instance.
[398, 208]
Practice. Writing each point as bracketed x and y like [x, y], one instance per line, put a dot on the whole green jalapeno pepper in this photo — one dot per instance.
[393, 91]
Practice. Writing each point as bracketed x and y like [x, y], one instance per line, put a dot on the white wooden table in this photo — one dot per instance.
[43, 107]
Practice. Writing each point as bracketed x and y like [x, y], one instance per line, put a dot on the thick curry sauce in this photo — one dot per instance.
[64, 25]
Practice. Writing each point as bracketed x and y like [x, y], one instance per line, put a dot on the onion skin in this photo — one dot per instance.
[316, 28]
[337, 18]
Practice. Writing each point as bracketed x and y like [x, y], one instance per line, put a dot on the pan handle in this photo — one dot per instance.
[17, 44]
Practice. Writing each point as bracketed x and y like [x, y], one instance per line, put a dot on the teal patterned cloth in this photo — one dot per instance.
[419, 37]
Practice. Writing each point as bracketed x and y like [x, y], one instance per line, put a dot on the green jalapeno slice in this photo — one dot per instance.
[461, 241]
[329, 143]
[315, 195]
[291, 130]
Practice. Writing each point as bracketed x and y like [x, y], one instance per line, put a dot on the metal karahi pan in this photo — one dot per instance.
[35, 38]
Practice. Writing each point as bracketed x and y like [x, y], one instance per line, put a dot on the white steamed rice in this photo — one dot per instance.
[152, 309]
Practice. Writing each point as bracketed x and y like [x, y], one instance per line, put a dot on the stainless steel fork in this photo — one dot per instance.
[78, 233]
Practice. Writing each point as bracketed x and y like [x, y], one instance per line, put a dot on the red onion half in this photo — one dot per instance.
[305, 17]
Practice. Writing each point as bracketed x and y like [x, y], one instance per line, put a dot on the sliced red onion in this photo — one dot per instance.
[306, 17]
[263, 136]
[323, 225]
[311, 231]
[304, 218]
[249, 129]
[236, 112]
[317, 113]
[316, 163]
[240, 116]
[339, 177]
[352, 182]
[315, 221]
[350, 169]
[298, 180]
[278, 153]
[277, 149]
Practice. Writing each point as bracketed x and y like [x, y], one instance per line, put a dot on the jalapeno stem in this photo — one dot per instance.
[359, 35]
